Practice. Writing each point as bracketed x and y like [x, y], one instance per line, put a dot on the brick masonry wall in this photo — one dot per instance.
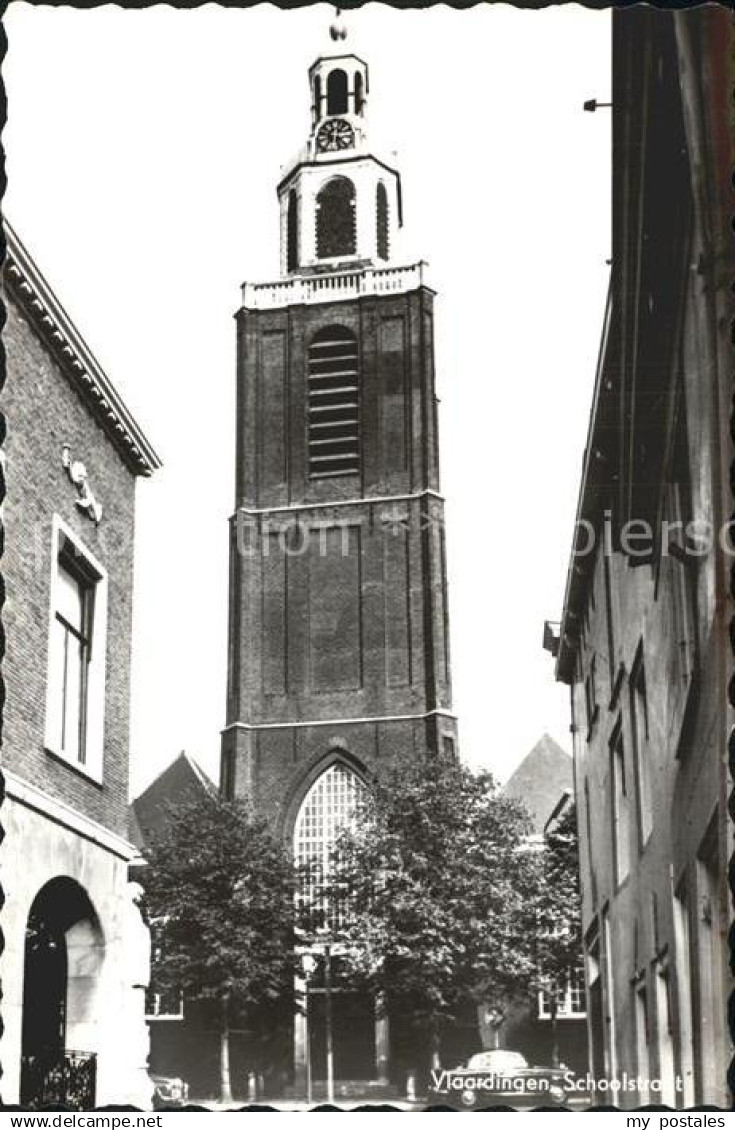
[43, 412]
[276, 767]
[345, 616]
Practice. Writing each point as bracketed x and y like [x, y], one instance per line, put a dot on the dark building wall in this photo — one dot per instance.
[43, 413]
[658, 450]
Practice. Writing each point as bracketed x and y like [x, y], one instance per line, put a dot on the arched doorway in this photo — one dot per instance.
[64, 950]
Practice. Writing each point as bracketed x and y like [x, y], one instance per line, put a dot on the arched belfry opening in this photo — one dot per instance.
[292, 234]
[317, 98]
[336, 228]
[337, 91]
[359, 93]
[64, 954]
[382, 221]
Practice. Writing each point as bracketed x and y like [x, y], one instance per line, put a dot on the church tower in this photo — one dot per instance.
[338, 635]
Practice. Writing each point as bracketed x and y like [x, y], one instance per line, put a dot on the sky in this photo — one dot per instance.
[143, 150]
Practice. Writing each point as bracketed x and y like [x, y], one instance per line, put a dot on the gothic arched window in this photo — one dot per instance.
[381, 221]
[292, 232]
[359, 98]
[330, 805]
[336, 232]
[337, 92]
[333, 403]
[317, 97]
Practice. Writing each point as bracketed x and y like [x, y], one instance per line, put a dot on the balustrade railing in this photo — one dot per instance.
[335, 286]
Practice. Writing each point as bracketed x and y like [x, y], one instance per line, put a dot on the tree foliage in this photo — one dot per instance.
[559, 930]
[438, 888]
[220, 887]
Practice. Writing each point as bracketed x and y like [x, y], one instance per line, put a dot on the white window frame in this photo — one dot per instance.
[566, 1009]
[156, 1014]
[92, 766]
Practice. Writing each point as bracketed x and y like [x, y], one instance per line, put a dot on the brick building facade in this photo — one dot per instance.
[73, 962]
[644, 634]
[338, 638]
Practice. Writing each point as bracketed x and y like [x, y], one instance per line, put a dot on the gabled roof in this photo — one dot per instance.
[52, 323]
[541, 781]
[182, 780]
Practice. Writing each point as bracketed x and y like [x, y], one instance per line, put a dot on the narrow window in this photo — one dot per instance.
[620, 806]
[590, 688]
[317, 98]
[609, 618]
[596, 1003]
[381, 220]
[333, 413]
[70, 646]
[337, 92]
[292, 234]
[710, 958]
[75, 690]
[359, 97]
[590, 853]
[643, 1037]
[610, 1003]
[682, 934]
[665, 1036]
[228, 774]
[683, 577]
[336, 233]
[641, 752]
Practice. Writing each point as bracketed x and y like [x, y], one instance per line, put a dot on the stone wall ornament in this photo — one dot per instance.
[77, 473]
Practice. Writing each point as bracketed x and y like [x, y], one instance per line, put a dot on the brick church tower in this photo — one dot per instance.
[338, 633]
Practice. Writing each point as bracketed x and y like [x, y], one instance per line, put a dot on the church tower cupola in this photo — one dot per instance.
[340, 203]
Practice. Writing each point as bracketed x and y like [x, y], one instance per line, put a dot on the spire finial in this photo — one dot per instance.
[338, 29]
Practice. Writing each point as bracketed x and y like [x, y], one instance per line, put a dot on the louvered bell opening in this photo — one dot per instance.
[333, 421]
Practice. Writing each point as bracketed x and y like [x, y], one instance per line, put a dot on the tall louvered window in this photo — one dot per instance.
[317, 98]
[359, 96]
[333, 404]
[381, 220]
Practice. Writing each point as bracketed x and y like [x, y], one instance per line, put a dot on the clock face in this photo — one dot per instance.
[335, 134]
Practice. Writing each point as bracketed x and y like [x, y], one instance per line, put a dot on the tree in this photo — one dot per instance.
[559, 920]
[219, 888]
[435, 888]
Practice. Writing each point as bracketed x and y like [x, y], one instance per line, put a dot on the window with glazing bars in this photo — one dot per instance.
[330, 806]
[333, 411]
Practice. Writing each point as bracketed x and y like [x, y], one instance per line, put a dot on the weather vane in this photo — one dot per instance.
[337, 28]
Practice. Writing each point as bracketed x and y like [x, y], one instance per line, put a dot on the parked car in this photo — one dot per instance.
[169, 1092]
[501, 1077]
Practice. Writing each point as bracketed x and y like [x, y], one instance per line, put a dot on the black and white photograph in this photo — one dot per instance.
[367, 557]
